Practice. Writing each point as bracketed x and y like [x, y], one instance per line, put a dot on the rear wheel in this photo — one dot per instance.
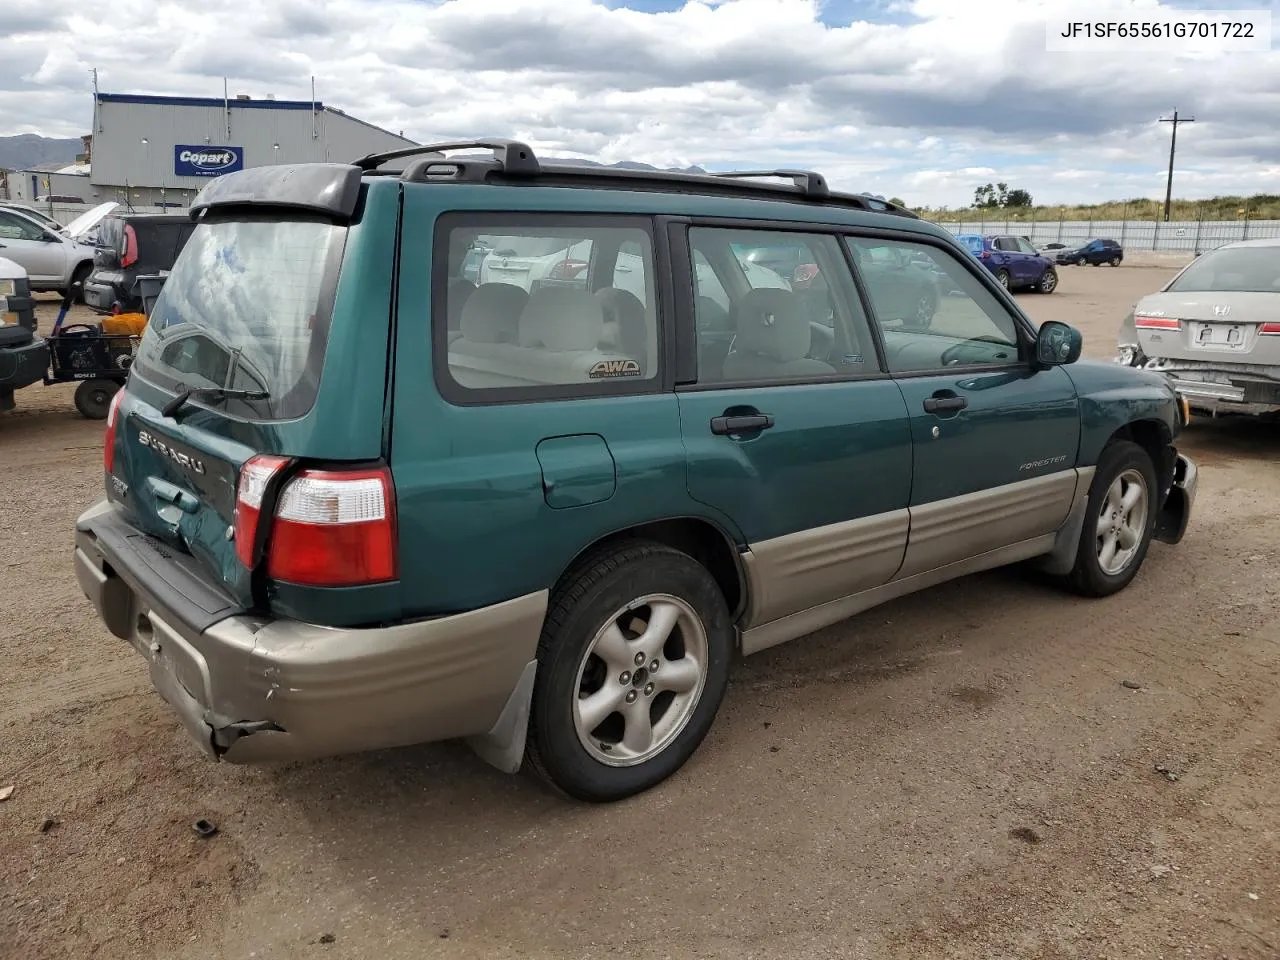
[93, 398]
[1119, 523]
[1002, 278]
[632, 666]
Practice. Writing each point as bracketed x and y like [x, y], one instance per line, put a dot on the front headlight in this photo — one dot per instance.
[1127, 355]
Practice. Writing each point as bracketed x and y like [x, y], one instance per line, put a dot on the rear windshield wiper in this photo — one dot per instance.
[210, 393]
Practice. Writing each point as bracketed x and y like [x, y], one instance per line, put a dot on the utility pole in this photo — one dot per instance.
[1173, 146]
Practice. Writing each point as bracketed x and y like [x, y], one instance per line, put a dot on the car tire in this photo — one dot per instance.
[1114, 261]
[595, 630]
[1104, 564]
[80, 276]
[1048, 281]
[926, 307]
[1003, 278]
[93, 398]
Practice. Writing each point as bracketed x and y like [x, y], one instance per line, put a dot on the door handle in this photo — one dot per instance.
[742, 423]
[944, 404]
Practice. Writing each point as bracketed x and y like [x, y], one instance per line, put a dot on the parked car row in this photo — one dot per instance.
[100, 254]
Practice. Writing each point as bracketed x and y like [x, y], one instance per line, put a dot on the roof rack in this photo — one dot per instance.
[809, 183]
[513, 156]
[513, 161]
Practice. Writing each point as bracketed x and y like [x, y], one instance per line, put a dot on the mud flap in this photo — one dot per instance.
[1175, 514]
[503, 746]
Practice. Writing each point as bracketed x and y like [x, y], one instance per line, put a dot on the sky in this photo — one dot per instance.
[918, 99]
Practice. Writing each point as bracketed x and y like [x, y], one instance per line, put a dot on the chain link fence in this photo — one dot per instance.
[1173, 236]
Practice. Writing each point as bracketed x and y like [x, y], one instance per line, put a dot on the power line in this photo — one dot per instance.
[1173, 146]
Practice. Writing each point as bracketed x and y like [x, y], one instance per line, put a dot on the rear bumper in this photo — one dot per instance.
[100, 295]
[1231, 397]
[250, 688]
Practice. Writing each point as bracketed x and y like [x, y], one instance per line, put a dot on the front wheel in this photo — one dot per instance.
[1119, 522]
[1115, 261]
[1049, 282]
[632, 667]
[75, 292]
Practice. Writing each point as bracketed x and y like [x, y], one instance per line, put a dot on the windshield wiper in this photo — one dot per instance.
[210, 393]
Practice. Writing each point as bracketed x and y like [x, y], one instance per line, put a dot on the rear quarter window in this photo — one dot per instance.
[560, 306]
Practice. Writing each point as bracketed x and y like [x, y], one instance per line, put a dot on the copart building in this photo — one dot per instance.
[159, 151]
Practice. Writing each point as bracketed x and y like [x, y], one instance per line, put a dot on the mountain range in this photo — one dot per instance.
[27, 150]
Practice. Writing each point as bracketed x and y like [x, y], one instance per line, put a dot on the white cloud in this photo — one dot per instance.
[925, 107]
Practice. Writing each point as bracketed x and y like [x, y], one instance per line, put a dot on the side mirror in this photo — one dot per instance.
[1058, 344]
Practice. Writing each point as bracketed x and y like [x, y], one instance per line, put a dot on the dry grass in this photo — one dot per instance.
[1262, 206]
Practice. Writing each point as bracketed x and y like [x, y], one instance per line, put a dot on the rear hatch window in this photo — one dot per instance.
[246, 309]
[973, 243]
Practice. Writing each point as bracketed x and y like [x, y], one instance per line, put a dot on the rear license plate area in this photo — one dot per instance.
[1218, 336]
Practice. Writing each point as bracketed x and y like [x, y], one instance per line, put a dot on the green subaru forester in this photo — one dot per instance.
[452, 443]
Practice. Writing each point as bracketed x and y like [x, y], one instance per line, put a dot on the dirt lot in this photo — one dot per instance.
[960, 774]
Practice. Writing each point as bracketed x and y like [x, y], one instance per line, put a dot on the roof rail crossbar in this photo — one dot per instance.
[809, 183]
[515, 158]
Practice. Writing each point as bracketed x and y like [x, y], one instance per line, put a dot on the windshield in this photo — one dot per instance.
[246, 308]
[1233, 270]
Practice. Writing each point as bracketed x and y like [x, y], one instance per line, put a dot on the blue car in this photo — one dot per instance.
[1014, 261]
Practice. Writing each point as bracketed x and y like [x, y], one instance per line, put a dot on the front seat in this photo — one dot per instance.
[773, 339]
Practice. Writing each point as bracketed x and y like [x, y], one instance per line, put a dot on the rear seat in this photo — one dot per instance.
[551, 336]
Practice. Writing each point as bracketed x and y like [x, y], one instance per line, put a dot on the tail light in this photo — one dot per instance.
[1269, 329]
[130, 255]
[331, 528]
[109, 440]
[985, 254]
[1157, 323]
[568, 269]
[254, 477]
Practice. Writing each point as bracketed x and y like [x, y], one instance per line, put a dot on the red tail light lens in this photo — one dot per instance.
[254, 477]
[335, 529]
[1269, 329]
[568, 269]
[1157, 323]
[109, 440]
[985, 254]
[130, 255]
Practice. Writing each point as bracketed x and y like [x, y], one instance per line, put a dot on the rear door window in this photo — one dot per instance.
[246, 308]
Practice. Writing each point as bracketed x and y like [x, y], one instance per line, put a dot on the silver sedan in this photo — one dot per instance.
[1214, 330]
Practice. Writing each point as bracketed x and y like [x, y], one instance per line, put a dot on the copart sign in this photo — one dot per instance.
[205, 161]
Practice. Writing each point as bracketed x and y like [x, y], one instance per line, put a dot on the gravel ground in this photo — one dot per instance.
[960, 774]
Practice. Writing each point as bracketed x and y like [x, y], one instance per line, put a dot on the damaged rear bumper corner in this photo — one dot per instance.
[249, 689]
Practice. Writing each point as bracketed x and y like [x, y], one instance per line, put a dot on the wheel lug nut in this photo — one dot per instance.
[653, 667]
[625, 678]
[639, 659]
[631, 696]
[648, 689]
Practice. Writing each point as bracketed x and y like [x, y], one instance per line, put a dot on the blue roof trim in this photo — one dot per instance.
[209, 102]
